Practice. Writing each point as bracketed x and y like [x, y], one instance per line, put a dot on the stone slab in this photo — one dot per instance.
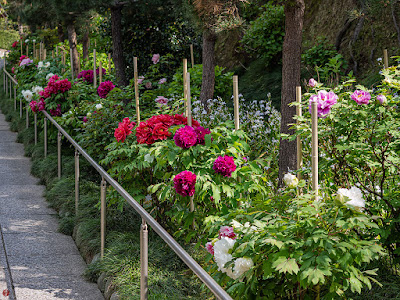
[8, 136]
[11, 149]
[12, 206]
[19, 223]
[21, 192]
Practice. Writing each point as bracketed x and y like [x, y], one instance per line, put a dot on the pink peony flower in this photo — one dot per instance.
[104, 88]
[361, 97]
[26, 61]
[156, 58]
[63, 85]
[201, 133]
[184, 183]
[140, 79]
[33, 106]
[162, 100]
[13, 69]
[382, 99]
[185, 137]
[210, 248]
[224, 165]
[312, 82]
[226, 231]
[148, 85]
[162, 81]
[325, 100]
[41, 105]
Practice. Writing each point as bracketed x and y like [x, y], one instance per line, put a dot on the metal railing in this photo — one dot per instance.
[147, 219]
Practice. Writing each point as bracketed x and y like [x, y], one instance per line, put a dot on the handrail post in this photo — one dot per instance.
[6, 86]
[59, 136]
[144, 260]
[4, 80]
[45, 135]
[15, 97]
[35, 124]
[27, 116]
[76, 181]
[20, 108]
[11, 88]
[103, 187]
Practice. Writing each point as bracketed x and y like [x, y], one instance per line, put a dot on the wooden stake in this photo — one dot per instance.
[314, 148]
[27, 49]
[44, 53]
[298, 139]
[185, 69]
[189, 103]
[100, 73]
[34, 49]
[192, 209]
[109, 63]
[192, 55]
[79, 64]
[136, 78]
[72, 63]
[63, 62]
[385, 58]
[94, 69]
[236, 100]
[21, 46]
[57, 51]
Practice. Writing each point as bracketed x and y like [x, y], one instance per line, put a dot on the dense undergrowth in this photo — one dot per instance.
[168, 278]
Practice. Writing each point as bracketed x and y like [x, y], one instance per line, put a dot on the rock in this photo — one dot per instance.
[115, 296]
[101, 282]
[109, 289]
[95, 258]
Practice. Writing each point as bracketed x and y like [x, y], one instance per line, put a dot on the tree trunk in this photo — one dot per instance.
[118, 57]
[72, 44]
[208, 80]
[60, 32]
[85, 45]
[291, 63]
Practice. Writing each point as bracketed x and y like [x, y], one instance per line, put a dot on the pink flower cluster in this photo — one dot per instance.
[224, 165]
[55, 86]
[162, 100]
[26, 61]
[188, 136]
[325, 100]
[124, 129]
[184, 183]
[104, 88]
[361, 97]
[37, 106]
[224, 231]
[156, 58]
[86, 75]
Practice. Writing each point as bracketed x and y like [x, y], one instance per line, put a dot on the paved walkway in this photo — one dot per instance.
[36, 262]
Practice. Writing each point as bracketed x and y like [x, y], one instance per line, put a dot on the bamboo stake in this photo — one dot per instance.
[135, 74]
[100, 73]
[27, 49]
[72, 63]
[57, 51]
[94, 69]
[189, 103]
[385, 58]
[314, 148]
[34, 49]
[79, 64]
[63, 62]
[44, 53]
[192, 55]
[185, 69]
[21, 46]
[236, 100]
[298, 139]
[109, 62]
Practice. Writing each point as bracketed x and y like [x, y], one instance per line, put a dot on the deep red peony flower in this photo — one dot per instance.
[86, 75]
[124, 129]
[104, 88]
[160, 132]
[201, 133]
[224, 165]
[15, 44]
[184, 183]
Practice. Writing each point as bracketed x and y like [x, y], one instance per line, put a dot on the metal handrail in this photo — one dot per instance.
[215, 288]
[9, 75]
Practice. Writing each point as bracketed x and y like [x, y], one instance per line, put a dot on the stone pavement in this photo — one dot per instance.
[36, 261]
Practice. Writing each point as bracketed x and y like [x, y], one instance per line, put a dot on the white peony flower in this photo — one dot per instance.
[40, 65]
[221, 252]
[27, 95]
[47, 65]
[49, 76]
[37, 89]
[99, 106]
[27, 40]
[355, 195]
[34, 41]
[242, 265]
[290, 180]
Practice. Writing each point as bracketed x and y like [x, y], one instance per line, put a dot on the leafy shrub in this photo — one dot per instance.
[7, 38]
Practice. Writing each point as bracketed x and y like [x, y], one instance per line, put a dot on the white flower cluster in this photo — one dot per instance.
[354, 195]
[27, 94]
[219, 112]
[43, 65]
[290, 180]
[37, 89]
[49, 76]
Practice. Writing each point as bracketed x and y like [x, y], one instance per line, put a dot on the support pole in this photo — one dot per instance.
[298, 139]
[27, 49]
[185, 70]
[6, 86]
[192, 55]
[72, 64]
[102, 216]
[136, 78]
[45, 136]
[100, 73]
[15, 97]
[20, 108]
[94, 69]
[34, 49]
[236, 101]
[109, 63]
[314, 148]
[27, 116]
[189, 101]
[144, 260]
[35, 126]
[76, 182]
[59, 136]
[385, 58]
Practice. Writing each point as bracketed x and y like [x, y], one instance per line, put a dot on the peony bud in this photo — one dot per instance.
[290, 180]
[312, 82]
[382, 99]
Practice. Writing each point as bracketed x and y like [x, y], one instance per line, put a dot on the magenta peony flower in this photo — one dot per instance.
[325, 100]
[104, 88]
[185, 137]
[85, 119]
[56, 112]
[210, 248]
[224, 165]
[86, 75]
[41, 105]
[361, 97]
[184, 183]
[33, 106]
[226, 231]
[312, 82]
[201, 133]
[382, 99]
[162, 100]
[162, 81]
[156, 58]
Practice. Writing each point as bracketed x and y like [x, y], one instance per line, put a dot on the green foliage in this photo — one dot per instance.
[264, 37]
[7, 38]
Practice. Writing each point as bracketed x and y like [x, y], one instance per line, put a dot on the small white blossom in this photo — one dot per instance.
[290, 180]
[37, 89]
[355, 196]
[49, 76]
[27, 95]
[99, 106]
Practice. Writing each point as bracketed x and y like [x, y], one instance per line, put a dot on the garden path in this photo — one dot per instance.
[36, 261]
